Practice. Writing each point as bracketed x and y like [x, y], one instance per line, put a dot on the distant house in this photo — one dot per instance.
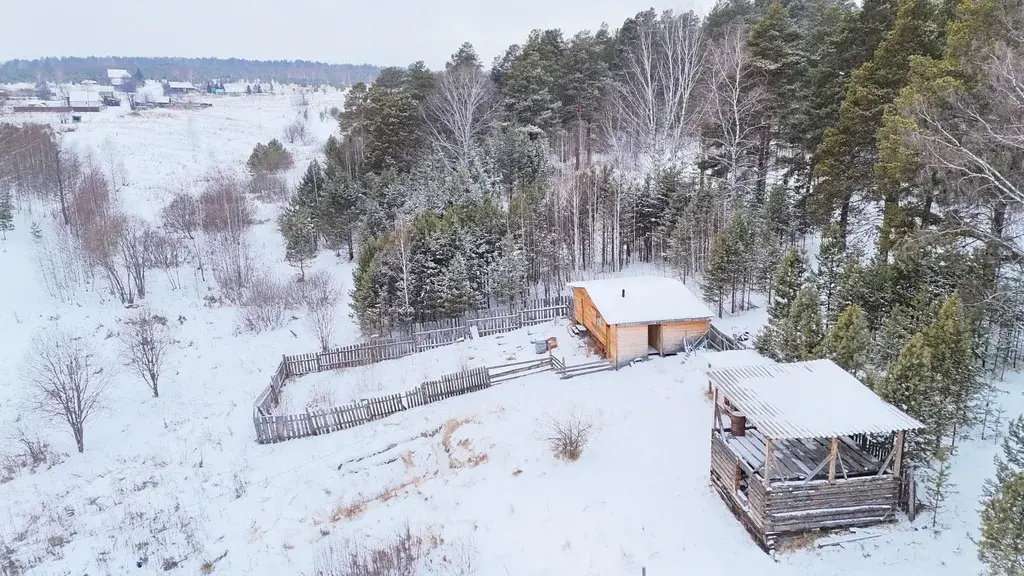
[630, 318]
[85, 101]
[180, 88]
[116, 76]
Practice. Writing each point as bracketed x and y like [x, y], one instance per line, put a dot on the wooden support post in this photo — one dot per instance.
[832, 452]
[897, 465]
[767, 462]
[717, 423]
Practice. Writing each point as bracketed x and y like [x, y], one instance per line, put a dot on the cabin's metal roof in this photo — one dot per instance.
[814, 399]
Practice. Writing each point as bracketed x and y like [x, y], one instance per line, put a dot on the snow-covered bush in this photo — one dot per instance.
[568, 436]
[264, 305]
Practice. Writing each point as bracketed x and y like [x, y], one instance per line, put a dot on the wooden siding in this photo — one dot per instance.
[586, 313]
[749, 509]
[674, 334]
[631, 343]
[797, 507]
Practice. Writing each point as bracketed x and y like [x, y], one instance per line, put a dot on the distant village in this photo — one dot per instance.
[122, 88]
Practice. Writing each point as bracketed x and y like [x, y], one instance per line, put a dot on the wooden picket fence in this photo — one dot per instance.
[401, 342]
[272, 428]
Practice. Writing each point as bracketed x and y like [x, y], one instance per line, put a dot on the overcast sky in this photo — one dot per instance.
[365, 31]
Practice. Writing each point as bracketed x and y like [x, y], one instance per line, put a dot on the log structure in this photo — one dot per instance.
[817, 450]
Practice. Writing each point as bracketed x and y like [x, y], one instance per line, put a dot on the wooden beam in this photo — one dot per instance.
[818, 469]
[767, 462]
[897, 465]
[842, 466]
[885, 463]
[832, 452]
[717, 424]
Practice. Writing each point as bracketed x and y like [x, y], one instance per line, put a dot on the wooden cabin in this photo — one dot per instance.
[630, 318]
[804, 447]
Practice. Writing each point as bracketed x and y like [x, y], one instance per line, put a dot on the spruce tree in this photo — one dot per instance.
[6, 213]
[910, 385]
[717, 277]
[849, 341]
[800, 335]
[850, 288]
[828, 275]
[1001, 547]
[951, 343]
[939, 485]
[298, 227]
[788, 278]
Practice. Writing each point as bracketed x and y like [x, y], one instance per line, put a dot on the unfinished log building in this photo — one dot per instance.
[805, 446]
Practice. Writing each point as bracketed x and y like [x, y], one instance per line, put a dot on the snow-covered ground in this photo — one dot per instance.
[180, 478]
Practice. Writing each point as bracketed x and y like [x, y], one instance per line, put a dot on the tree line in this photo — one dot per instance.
[196, 70]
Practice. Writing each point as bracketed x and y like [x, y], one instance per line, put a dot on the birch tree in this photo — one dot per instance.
[460, 109]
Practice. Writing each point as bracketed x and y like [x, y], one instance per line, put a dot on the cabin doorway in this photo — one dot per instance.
[654, 338]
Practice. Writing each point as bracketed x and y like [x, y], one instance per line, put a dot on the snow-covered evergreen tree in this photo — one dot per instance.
[910, 385]
[789, 278]
[298, 227]
[6, 213]
[848, 343]
[829, 272]
[939, 485]
[800, 335]
[715, 282]
[1001, 546]
[950, 341]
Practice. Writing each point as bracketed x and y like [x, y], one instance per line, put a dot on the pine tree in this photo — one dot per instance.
[1001, 547]
[849, 341]
[849, 290]
[828, 275]
[718, 275]
[6, 213]
[939, 484]
[800, 335]
[910, 386]
[788, 278]
[957, 383]
[298, 227]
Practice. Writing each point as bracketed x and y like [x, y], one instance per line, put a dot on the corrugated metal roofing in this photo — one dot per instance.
[814, 399]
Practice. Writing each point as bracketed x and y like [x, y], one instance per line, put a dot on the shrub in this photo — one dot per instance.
[568, 436]
[270, 158]
[296, 132]
[268, 187]
[224, 208]
[400, 555]
[32, 453]
[265, 305]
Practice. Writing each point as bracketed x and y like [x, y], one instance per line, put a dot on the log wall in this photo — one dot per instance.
[798, 507]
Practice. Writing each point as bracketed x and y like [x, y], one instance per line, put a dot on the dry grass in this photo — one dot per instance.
[798, 541]
[407, 459]
[449, 428]
[348, 511]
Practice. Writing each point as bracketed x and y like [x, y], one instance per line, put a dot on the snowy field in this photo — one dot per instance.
[180, 480]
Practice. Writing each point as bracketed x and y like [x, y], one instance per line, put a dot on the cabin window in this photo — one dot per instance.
[599, 322]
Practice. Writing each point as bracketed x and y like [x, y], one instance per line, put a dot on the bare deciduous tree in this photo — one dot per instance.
[64, 371]
[735, 103]
[320, 297]
[136, 243]
[147, 344]
[655, 99]
[460, 109]
[181, 215]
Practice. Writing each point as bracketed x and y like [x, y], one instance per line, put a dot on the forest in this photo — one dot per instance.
[886, 140]
[75, 69]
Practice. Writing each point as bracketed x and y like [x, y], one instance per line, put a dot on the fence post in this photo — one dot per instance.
[284, 361]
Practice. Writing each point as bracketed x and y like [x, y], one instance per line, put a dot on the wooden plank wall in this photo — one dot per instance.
[798, 507]
[631, 343]
[675, 334]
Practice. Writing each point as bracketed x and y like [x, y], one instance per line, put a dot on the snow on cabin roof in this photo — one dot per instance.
[732, 359]
[181, 85]
[118, 73]
[647, 299]
[84, 97]
[814, 399]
